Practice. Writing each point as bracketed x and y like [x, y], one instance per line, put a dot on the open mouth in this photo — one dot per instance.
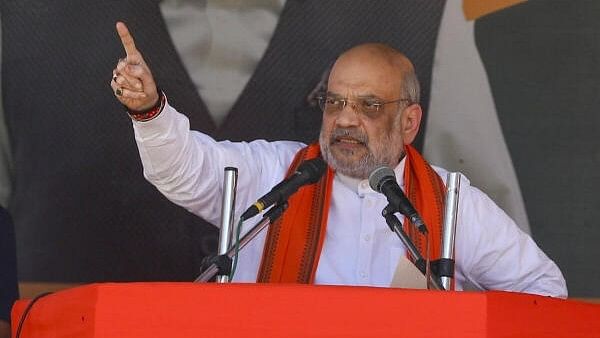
[348, 140]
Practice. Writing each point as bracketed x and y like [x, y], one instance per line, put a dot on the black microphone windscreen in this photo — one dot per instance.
[312, 169]
[308, 172]
[380, 175]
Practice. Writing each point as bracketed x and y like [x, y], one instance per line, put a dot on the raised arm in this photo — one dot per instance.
[185, 165]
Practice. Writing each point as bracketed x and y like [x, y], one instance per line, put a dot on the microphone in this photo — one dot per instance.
[383, 180]
[308, 172]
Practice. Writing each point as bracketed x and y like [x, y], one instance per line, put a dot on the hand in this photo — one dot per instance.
[132, 80]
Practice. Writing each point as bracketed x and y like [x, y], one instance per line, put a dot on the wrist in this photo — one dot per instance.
[150, 113]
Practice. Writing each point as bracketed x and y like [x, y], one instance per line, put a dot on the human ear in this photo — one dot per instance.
[411, 121]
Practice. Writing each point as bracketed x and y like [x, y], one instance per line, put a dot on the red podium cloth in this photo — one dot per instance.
[273, 310]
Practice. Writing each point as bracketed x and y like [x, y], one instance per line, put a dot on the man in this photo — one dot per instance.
[371, 116]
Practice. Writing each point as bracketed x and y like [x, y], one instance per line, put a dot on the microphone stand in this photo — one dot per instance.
[227, 212]
[270, 216]
[396, 226]
[446, 262]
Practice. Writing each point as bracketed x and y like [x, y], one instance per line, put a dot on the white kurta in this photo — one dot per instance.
[359, 249]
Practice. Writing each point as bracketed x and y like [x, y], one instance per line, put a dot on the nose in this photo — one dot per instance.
[349, 116]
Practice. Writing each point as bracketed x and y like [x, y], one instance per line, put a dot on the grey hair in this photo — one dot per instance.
[410, 86]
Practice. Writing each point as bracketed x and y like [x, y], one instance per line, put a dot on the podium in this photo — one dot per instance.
[184, 310]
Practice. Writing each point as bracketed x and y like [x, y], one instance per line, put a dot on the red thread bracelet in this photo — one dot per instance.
[147, 115]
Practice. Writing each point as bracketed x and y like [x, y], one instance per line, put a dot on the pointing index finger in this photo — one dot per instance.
[126, 39]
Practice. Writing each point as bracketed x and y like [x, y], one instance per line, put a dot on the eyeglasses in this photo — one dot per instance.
[369, 107]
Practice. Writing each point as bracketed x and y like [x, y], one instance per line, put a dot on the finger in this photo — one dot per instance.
[123, 93]
[121, 64]
[141, 73]
[134, 59]
[135, 70]
[119, 89]
[116, 89]
[120, 80]
[130, 94]
[124, 70]
[128, 81]
[126, 39]
[137, 75]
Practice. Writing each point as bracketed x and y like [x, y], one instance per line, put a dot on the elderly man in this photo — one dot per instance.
[333, 232]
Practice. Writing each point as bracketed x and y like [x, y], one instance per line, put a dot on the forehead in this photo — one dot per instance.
[364, 74]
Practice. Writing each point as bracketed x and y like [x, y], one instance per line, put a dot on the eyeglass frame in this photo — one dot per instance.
[358, 106]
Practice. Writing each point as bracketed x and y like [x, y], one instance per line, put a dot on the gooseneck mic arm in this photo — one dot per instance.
[396, 226]
[269, 217]
[383, 180]
[308, 172]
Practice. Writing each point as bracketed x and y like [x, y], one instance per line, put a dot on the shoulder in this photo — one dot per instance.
[443, 173]
[475, 206]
